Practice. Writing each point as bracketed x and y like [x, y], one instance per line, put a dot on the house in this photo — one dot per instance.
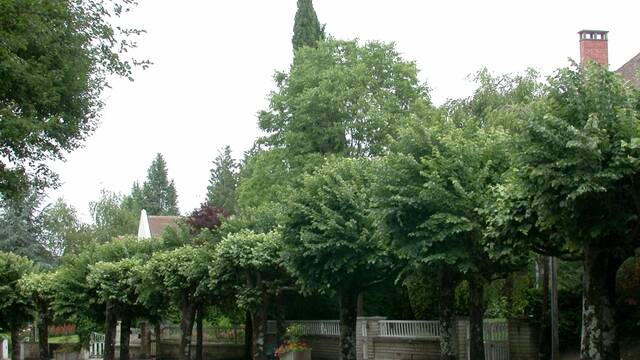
[154, 225]
[594, 46]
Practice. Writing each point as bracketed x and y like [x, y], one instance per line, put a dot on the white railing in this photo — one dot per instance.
[406, 328]
[96, 346]
[318, 327]
[310, 327]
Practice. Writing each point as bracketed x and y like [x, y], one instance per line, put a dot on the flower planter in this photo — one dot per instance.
[297, 355]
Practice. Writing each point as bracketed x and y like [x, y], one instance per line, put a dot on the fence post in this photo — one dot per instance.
[4, 349]
[366, 329]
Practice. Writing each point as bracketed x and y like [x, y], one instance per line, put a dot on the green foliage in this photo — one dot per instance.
[116, 283]
[54, 63]
[221, 191]
[306, 29]
[39, 286]
[329, 235]
[342, 98]
[21, 227]
[77, 300]
[179, 276]
[159, 196]
[15, 307]
[574, 180]
[249, 266]
[63, 232]
[112, 217]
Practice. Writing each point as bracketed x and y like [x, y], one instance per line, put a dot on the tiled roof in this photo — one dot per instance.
[157, 224]
[629, 71]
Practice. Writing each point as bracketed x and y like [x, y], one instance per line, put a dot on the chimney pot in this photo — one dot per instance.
[594, 46]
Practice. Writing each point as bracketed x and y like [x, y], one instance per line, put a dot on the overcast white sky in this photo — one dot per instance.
[214, 61]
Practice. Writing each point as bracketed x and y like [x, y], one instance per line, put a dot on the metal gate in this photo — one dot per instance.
[496, 340]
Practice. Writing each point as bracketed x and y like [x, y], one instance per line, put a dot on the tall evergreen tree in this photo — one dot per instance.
[307, 30]
[159, 196]
[221, 191]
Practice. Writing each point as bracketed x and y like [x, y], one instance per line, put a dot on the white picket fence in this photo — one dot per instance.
[310, 327]
[96, 346]
[406, 328]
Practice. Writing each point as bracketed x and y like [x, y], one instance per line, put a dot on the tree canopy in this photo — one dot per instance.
[307, 30]
[330, 239]
[54, 63]
[159, 196]
[573, 188]
[342, 98]
[15, 308]
[221, 192]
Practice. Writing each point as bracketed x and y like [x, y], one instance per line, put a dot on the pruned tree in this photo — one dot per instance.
[573, 189]
[40, 288]
[115, 284]
[432, 189]
[15, 308]
[77, 299]
[248, 265]
[180, 277]
[330, 240]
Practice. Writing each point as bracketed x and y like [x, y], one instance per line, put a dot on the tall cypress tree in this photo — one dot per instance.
[223, 181]
[159, 196]
[307, 30]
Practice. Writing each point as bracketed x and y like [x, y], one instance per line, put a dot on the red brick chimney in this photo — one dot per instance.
[593, 46]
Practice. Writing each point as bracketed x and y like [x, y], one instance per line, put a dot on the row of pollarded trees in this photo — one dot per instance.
[460, 192]
[129, 279]
[376, 179]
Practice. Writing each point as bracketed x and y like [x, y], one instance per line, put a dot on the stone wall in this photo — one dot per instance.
[170, 350]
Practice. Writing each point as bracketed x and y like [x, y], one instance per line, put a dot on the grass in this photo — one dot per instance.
[66, 339]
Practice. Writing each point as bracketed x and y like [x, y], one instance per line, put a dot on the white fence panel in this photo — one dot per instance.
[310, 327]
[96, 346]
[407, 328]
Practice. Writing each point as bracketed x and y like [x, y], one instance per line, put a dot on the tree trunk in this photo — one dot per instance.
[15, 343]
[259, 322]
[360, 305]
[157, 329]
[248, 336]
[110, 324]
[599, 332]
[544, 344]
[476, 318]
[188, 313]
[446, 301]
[125, 337]
[144, 340]
[348, 302]
[43, 329]
[280, 318]
[199, 331]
